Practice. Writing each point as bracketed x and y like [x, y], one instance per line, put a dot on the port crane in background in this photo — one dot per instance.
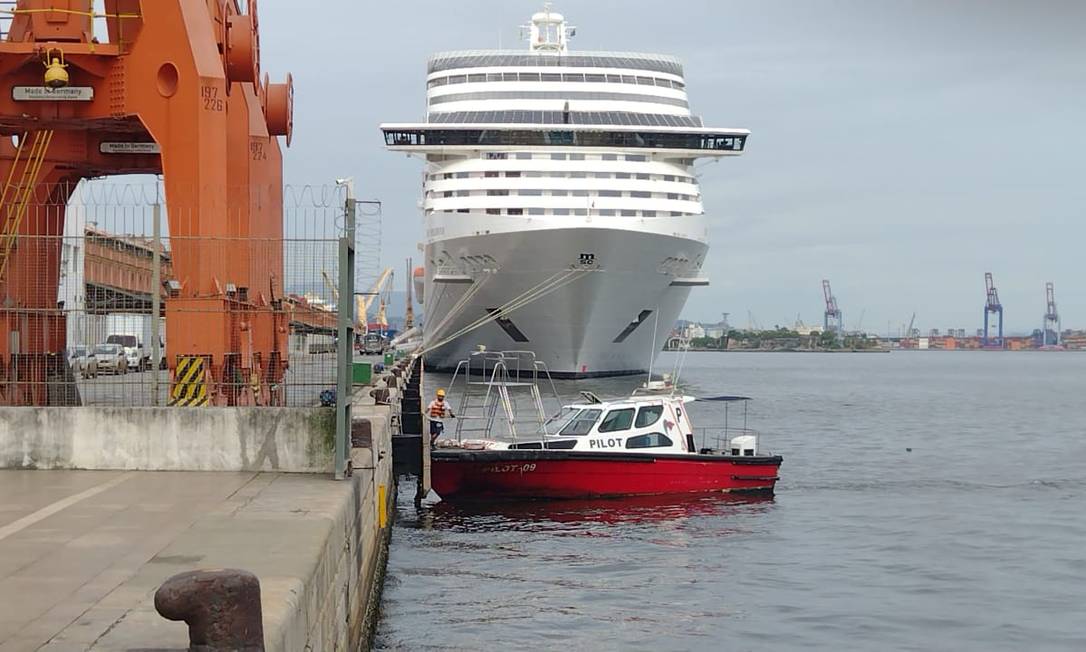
[832, 320]
[364, 300]
[992, 306]
[906, 338]
[1050, 329]
[409, 313]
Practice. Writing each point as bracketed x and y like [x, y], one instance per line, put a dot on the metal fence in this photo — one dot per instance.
[90, 288]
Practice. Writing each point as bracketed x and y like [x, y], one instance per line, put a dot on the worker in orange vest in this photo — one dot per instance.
[438, 410]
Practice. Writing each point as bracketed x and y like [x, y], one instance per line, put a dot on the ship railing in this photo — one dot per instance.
[505, 375]
[714, 439]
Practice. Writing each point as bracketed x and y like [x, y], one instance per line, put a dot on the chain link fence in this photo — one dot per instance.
[89, 289]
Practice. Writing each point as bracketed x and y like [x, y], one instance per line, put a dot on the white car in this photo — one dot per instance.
[110, 358]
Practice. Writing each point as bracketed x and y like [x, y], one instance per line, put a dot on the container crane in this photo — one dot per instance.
[1050, 329]
[832, 318]
[992, 306]
[409, 313]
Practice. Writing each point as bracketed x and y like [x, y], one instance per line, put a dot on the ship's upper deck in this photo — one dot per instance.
[445, 62]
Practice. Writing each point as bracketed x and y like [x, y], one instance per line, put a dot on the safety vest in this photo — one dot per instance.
[437, 409]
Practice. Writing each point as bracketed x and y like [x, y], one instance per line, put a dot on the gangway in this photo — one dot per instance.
[494, 386]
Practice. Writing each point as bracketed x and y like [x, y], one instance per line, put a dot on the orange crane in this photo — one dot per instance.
[172, 87]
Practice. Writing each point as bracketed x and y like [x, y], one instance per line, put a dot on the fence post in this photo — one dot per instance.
[156, 297]
[345, 333]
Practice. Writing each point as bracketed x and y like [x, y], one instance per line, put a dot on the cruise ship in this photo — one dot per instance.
[562, 209]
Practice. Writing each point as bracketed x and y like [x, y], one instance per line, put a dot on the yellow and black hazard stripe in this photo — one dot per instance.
[189, 382]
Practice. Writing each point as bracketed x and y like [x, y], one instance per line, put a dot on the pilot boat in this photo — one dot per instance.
[640, 445]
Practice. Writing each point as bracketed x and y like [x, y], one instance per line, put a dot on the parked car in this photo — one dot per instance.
[110, 358]
[81, 358]
[133, 351]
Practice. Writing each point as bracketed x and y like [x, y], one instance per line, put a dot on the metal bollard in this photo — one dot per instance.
[221, 607]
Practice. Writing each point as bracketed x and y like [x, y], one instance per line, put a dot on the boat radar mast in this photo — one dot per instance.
[548, 32]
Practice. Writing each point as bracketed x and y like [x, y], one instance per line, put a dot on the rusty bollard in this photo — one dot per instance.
[221, 607]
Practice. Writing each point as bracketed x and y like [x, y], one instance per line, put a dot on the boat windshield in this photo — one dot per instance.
[580, 422]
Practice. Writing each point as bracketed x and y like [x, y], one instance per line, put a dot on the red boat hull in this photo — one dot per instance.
[564, 474]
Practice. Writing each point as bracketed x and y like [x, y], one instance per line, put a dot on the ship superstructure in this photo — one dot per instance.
[562, 212]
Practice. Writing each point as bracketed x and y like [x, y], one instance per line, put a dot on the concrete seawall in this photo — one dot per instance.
[92, 547]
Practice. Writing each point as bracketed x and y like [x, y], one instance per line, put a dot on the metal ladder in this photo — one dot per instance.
[16, 195]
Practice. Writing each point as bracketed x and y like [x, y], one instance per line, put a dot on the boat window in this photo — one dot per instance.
[648, 415]
[617, 420]
[652, 440]
[581, 423]
[493, 76]
[479, 77]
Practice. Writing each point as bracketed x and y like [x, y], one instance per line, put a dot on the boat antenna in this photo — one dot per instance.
[652, 344]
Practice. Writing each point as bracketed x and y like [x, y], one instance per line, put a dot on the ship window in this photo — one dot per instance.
[663, 82]
[447, 175]
[602, 175]
[669, 177]
[572, 78]
[461, 175]
[610, 193]
[622, 175]
[512, 174]
[536, 211]
[461, 210]
[490, 174]
[533, 173]
[561, 211]
[653, 440]
[648, 213]
[594, 78]
[629, 79]
[576, 157]
[559, 193]
[648, 415]
[642, 176]
[617, 420]
[614, 79]
[497, 193]
[578, 175]
[551, 77]
[493, 211]
[493, 76]
[516, 211]
[676, 213]
[477, 78]
[581, 422]
[448, 193]
[509, 76]
[678, 84]
[531, 193]
[610, 157]
[644, 81]
[628, 213]
[640, 194]
[463, 193]
[635, 157]
[672, 195]
[607, 212]
[457, 79]
[558, 157]
[579, 193]
[529, 76]
[524, 156]
[581, 212]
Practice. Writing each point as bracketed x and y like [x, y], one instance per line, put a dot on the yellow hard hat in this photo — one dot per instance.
[440, 392]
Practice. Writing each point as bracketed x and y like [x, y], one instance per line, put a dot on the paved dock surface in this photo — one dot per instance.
[82, 552]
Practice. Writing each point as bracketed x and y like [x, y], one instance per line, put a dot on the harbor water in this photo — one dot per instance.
[929, 500]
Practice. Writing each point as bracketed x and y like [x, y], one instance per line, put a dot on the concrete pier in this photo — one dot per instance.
[82, 552]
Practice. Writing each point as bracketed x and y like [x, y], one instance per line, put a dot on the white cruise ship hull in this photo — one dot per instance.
[578, 328]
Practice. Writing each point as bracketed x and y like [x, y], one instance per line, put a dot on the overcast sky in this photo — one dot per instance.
[899, 149]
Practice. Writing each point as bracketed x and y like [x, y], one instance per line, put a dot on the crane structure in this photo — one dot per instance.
[169, 87]
[409, 313]
[992, 306]
[832, 319]
[364, 300]
[1050, 329]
